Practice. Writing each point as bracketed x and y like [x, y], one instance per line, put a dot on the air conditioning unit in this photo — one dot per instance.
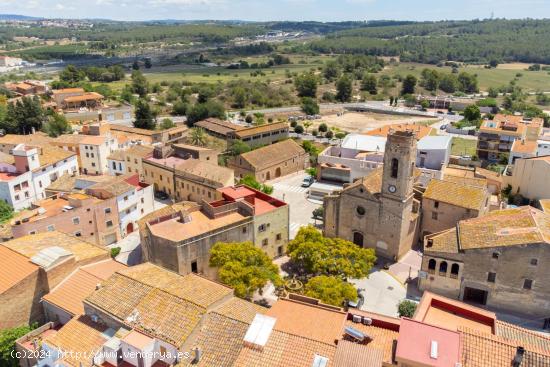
[356, 318]
[367, 321]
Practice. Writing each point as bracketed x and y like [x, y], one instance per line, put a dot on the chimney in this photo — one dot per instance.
[518, 358]
[197, 355]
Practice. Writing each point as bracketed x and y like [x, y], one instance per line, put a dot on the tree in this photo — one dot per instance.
[7, 344]
[140, 86]
[329, 134]
[472, 113]
[244, 267]
[238, 147]
[57, 125]
[306, 85]
[167, 124]
[344, 88]
[147, 63]
[323, 127]
[492, 92]
[179, 108]
[331, 71]
[320, 255]
[251, 181]
[449, 83]
[6, 211]
[391, 100]
[318, 213]
[299, 129]
[430, 79]
[330, 290]
[406, 308]
[198, 137]
[24, 116]
[135, 65]
[369, 84]
[144, 116]
[201, 111]
[409, 85]
[72, 75]
[310, 106]
[493, 63]
[468, 83]
[115, 251]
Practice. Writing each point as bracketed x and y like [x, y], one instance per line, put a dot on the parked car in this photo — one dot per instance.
[443, 127]
[359, 303]
[161, 195]
[308, 181]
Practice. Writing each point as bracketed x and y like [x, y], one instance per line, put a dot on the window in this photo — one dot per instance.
[244, 229]
[434, 215]
[109, 223]
[107, 210]
[87, 155]
[17, 187]
[360, 210]
[142, 200]
[262, 228]
[394, 167]
[194, 267]
[436, 204]
[50, 228]
[454, 271]
[431, 266]
[114, 165]
[527, 284]
[126, 198]
[25, 184]
[491, 277]
[265, 242]
[76, 220]
[496, 255]
[78, 234]
[32, 232]
[443, 268]
[279, 236]
[26, 194]
[16, 197]
[534, 262]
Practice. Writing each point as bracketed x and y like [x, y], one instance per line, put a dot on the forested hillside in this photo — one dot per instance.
[432, 42]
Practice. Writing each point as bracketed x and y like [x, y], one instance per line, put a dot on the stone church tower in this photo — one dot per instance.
[379, 211]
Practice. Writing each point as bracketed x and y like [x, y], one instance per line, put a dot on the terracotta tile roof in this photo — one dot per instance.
[116, 186]
[350, 354]
[49, 155]
[470, 181]
[68, 90]
[133, 130]
[308, 321]
[456, 194]
[80, 336]
[372, 183]
[117, 155]
[486, 350]
[7, 158]
[14, 268]
[205, 173]
[250, 131]
[68, 139]
[93, 140]
[240, 310]
[420, 130]
[521, 146]
[139, 150]
[191, 287]
[525, 337]
[32, 139]
[84, 97]
[218, 126]
[509, 227]
[285, 350]
[221, 341]
[545, 205]
[380, 338]
[30, 245]
[150, 310]
[71, 292]
[273, 154]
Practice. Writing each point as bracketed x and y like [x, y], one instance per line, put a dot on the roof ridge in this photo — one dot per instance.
[525, 330]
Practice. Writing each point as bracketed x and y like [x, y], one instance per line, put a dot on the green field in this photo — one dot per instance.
[529, 81]
[463, 147]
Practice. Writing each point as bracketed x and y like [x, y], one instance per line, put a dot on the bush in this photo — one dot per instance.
[323, 128]
[406, 308]
[299, 129]
[115, 251]
[329, 135]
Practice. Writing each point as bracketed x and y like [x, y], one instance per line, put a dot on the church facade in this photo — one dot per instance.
[380, 211]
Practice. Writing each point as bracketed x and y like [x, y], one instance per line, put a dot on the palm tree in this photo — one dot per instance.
[198, 137]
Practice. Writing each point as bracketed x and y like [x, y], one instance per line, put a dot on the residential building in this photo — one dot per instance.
[28, 170]
[494, 179]
[494, 260]
[111, 111]
[134, 199]
[10, 141]
[172, 135]
[32, 265]
[27, 87]
[447, 201]
[8, 62]
[180, 236]
[433, 152]
[94, 151]
[380, 211]
[174, 171]
[543, 148]
[522, 149]
[117, 163]
[529, 178]
[84, 216]
[497, 136]
[196, 180]
[261, 135]
[76, 98]
[270, 162]
[129, 160]
[420, 130]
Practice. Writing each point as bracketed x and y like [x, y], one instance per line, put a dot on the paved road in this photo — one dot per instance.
[381, 292]
[288, 189]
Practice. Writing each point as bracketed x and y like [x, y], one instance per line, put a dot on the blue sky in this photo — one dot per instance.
[323, 10]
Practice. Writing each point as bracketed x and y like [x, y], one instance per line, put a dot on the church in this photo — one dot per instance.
[380, 211]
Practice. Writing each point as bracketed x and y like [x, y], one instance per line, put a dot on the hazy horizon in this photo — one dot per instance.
[291, 10]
